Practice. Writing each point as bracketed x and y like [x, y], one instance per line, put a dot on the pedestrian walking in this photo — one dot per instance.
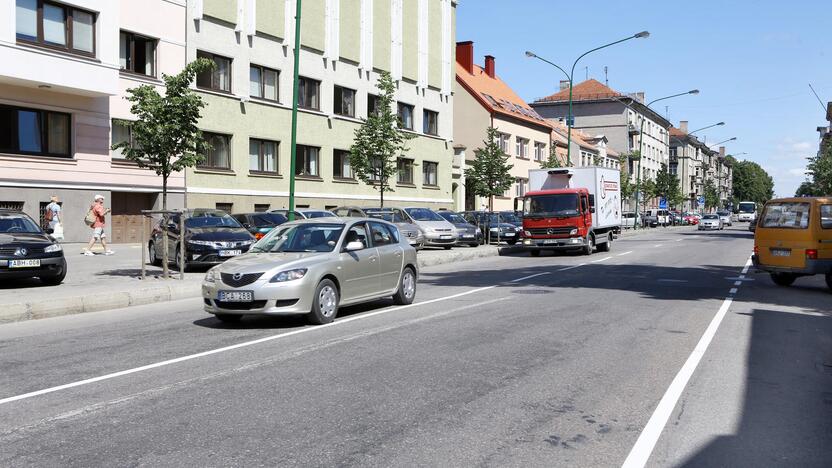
[95, 220]
[54, 218]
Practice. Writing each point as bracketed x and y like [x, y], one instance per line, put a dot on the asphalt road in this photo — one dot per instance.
[512, 361]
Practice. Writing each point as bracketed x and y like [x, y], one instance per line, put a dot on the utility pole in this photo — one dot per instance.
[294, 142]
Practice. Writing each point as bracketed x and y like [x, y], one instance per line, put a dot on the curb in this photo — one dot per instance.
[144, 295]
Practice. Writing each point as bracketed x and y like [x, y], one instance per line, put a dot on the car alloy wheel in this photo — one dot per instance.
[408, 284]
[327, 301]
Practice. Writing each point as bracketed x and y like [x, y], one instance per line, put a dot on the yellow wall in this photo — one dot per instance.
[312, 24]
[350, 40]
[435, 44]
[410, 40]
[381, 34]
[225, 10]
[270, 17]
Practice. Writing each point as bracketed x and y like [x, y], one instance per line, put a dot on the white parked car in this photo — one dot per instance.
[710, 222]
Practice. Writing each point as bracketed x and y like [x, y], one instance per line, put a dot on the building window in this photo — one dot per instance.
[121, 132]
[372, 104]
[261, 207]
[341, 165]
[262, 155]
[263, 83]
[306, 162]
[219, 156]
[522, 147]
[406, 116]
[218, 79]
[137, 54]
[344, 102]
[34, 131]
[429, 173]
[227, 207]
[55, 25]
[11, 205]
[504, 141]
[405, 171]
[520, 186]
[430, 122]
[539, 151]
[309, 92]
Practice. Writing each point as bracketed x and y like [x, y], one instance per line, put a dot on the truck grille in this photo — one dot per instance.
[552, 231]
[241, 280]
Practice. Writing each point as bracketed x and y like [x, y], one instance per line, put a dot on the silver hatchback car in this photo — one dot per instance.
[312, 267]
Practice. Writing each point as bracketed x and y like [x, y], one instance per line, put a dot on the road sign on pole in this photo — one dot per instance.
[662, 203]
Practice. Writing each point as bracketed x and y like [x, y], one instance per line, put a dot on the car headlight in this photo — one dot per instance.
[573, 232]
[527, 233]
[53, 248]
[211, 276]
[288, 275]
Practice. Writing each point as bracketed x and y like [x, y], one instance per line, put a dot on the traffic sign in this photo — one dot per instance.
[662, 203]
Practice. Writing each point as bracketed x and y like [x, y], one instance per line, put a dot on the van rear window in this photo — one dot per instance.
[786, 215]
[826, 216]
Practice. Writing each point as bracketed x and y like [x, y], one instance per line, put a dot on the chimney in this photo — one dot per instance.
[683, 126]
[639, 96]
[489, 65]
[722, 152]
[564, 84]
[465, 55]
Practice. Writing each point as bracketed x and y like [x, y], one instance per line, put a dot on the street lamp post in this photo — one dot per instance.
[705, 128]
[641, 144]
[570, 119]
[294, 149]
[723, 141]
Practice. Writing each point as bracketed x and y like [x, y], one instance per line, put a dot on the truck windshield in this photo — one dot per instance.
[747, 207]
[565, 204]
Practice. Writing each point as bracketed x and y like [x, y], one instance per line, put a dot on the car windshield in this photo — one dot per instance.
[212, 220]
[556, 205]
[389, 216]
[788, 215]
[723, 213]
[318, 214]
[423, 214]
[509, 217]
[710, 216]
[267, 219]
[453, 218]
[17, 223]
[306, 237]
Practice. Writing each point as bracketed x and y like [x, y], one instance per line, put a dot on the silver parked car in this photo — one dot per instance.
[725, 216]
[409, 230]
[438, 232]
[313, 267]
[710, 222]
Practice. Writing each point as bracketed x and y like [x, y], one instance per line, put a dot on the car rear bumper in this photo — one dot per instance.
[812, 267]
[50, 266]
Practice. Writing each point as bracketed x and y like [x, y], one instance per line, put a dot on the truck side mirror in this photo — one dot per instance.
[592, 209]
[592, 202]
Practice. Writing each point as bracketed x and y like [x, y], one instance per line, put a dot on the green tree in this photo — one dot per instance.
[165, 136]
[554, 161]
[751, 183]
[807, 189]
[819, 170]
[711, 195]
[667, 185]
[379, 141]
[490, 172]
[647, 187]
[628, 189]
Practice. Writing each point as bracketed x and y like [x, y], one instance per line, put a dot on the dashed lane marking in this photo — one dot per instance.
[624, 253]
[529, 277]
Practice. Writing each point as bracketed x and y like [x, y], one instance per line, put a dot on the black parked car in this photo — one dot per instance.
[511, 218]
[211, 237]
[494, 226]
[467, 233]
[260, 224]
[26, 251]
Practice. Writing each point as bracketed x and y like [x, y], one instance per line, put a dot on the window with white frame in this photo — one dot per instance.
[503, 140]
[430, 173]
[522, 148]
[520, 186]
[539, 151]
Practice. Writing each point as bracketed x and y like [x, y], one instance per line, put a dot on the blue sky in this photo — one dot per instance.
[752, 61]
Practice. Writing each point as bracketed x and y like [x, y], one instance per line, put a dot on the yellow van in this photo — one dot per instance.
[794, 239]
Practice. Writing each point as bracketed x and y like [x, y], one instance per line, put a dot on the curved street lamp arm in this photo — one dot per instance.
[666, 97]
[552, 64]
[598, 48]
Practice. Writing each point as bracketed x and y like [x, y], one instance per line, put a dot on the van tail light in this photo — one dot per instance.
[811, 254]
[259, 235]
[756, 250]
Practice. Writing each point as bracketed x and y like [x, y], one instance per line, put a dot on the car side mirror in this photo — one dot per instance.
[354, 245]
[49, 231]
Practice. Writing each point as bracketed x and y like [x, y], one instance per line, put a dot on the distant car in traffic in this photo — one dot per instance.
[467, 233]
[313, 268]
[211, 237]
[691, 218]
[710, 222]
[725, 216]
[27, 251]
[259, 224]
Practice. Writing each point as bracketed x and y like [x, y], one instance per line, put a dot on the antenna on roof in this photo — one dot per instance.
[606, 80]
[819, 99]
[586, 70]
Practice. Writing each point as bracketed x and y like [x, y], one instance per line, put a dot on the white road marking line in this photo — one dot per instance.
[737, 283]
[232, 347]
[643, 447]
[658, 245]
[666, 280]
[571, 267]
[529, 277]
[624, 253]
[732, 291]
[679, 240]
[601, 260]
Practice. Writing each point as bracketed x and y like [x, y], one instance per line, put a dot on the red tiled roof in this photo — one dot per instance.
[676, 132]
[589, 89]
[496, 96]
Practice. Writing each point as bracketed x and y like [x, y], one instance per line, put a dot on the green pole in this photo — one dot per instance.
[294, 150]
[569, 122]
[638, 173]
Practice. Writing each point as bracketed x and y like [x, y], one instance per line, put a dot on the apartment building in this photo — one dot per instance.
[685, 162]
[63, 83]
[344, 46]
[600, 110]
[483, 100]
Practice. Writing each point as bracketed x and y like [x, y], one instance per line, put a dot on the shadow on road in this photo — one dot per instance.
[787, 410]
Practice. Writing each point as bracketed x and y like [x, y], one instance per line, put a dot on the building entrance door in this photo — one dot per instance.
[127, 216]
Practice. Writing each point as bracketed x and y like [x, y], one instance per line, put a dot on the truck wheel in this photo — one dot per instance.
[829, 280]
[606, 246]
[590, 245]
[536, 253]
[783, 279]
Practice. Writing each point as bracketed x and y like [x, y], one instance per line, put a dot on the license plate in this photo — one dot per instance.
[445, 236]
[24, 263]
[468, 236]
[508, 234]
[235, 296]
[781, 252]
[550, 241]
[230, 253]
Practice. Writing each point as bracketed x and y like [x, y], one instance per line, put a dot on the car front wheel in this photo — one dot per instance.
[829, 280]
[783, 279]
[151, 254]
[407, 288]
[324, 304]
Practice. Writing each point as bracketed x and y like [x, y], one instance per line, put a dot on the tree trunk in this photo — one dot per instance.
[381, 189]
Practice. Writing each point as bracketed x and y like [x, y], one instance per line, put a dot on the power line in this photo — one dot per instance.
[819, 99]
